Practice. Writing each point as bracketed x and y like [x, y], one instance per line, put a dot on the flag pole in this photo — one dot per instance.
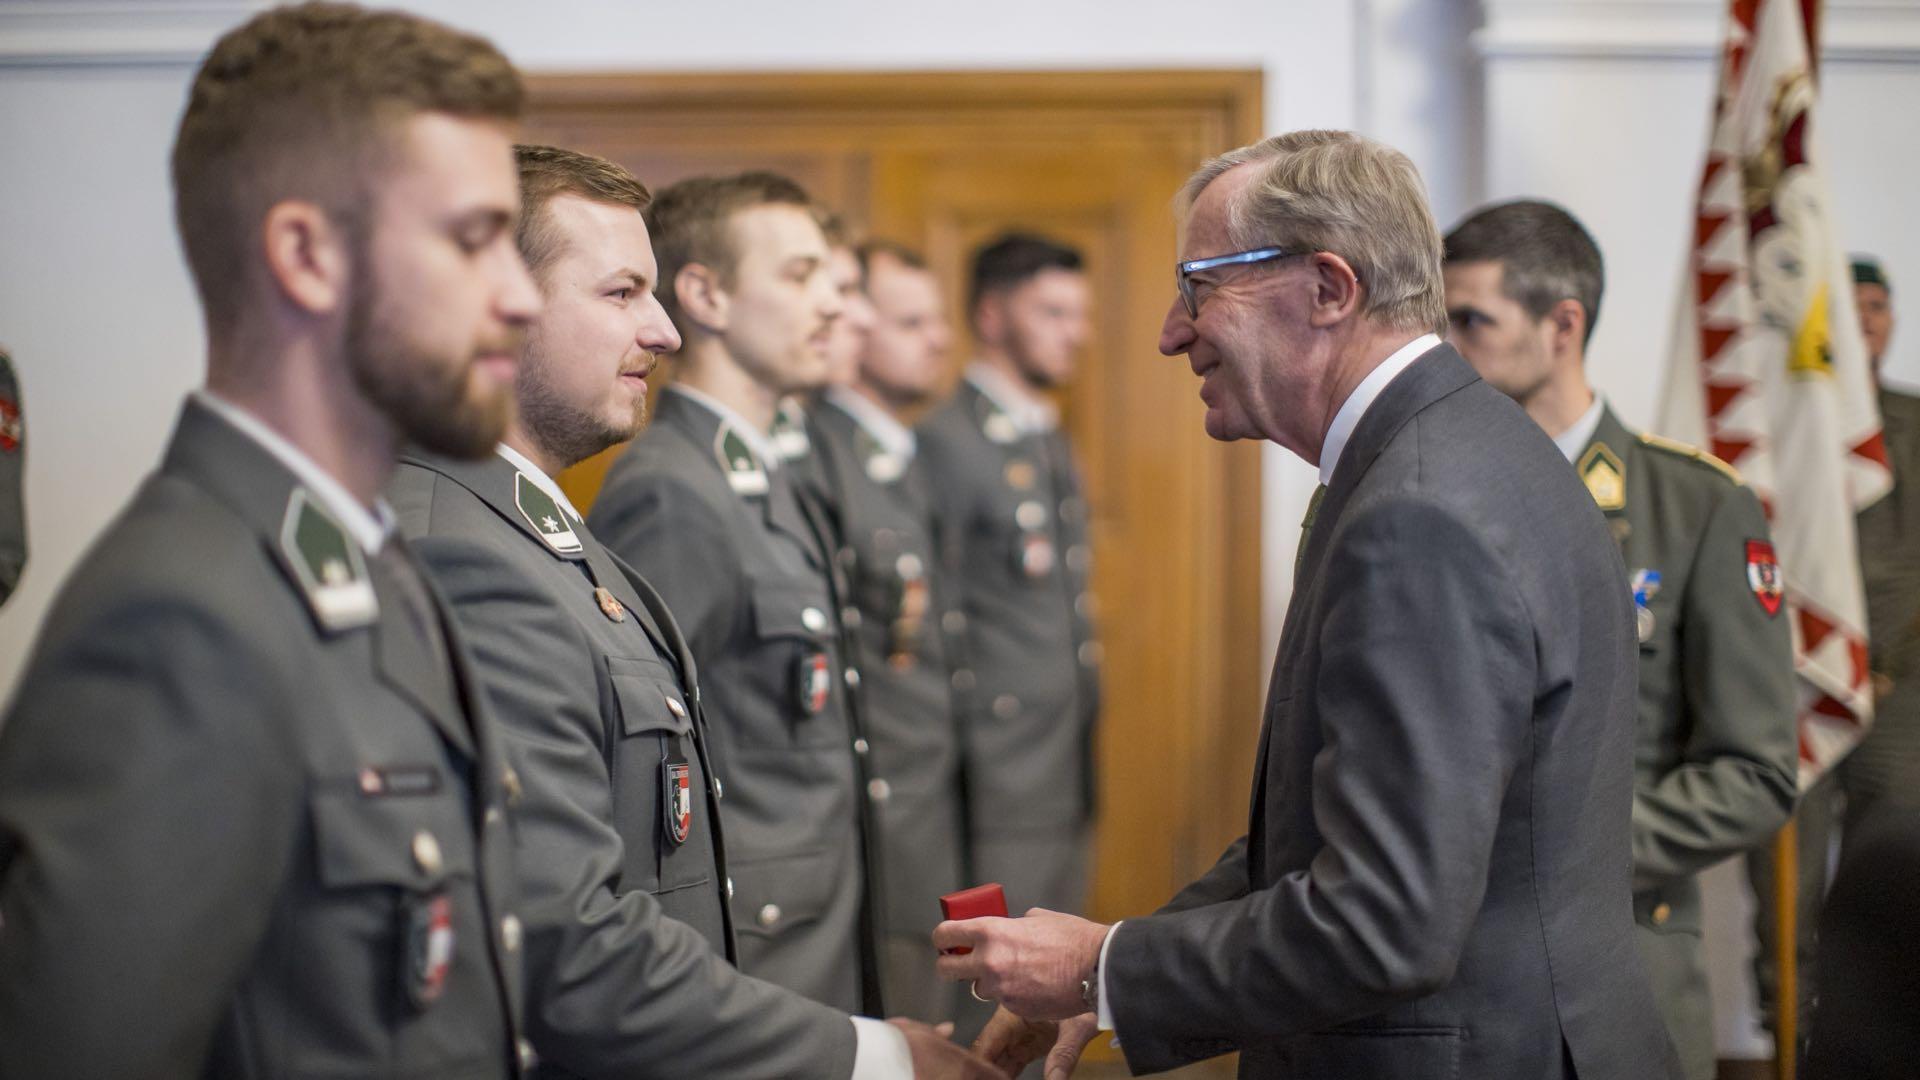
[1786, 906]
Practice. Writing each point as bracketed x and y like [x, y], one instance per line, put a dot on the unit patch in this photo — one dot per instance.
[545, 516]
[1763, 576]
[329, 564]
[428, 942]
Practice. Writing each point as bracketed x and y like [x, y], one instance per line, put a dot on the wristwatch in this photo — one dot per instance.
[1090, 992]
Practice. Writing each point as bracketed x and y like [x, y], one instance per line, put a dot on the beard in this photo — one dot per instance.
[565, 432]
[436, 401]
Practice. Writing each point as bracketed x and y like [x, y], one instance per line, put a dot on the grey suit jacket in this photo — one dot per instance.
[884, 508]
[1021, 560]
[597, 697]
[1435, 881]
[748, 579]
[220, 822]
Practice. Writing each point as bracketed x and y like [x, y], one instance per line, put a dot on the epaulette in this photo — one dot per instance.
[1687, 450]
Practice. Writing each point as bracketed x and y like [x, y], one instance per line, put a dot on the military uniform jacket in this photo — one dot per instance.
[248, 827]
[619, 838]
[731, 548]
[1716, 760]
[1434, 880]
[1011, 503]
[883, 505]
[1889, 530]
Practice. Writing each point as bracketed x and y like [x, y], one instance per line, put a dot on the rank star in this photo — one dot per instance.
[334, 572]
[549, 524]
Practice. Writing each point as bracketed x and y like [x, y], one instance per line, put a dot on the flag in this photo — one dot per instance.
[1767, 367]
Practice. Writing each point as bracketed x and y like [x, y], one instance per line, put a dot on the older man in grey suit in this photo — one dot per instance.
[1435, 878]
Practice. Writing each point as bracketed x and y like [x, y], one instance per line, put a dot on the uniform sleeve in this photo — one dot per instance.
[151, 799]
[1415, 760]
[667, 532]
[615, 986]
[1736, 783]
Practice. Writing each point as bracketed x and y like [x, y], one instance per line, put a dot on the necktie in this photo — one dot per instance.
[1306, 527]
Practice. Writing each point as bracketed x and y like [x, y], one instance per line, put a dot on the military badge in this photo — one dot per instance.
[544, 516]
[676, 790]
[1763, 576]
[813, 683]
[1605, 477]
[12, 429]
[745, 474]
[789, 432]
[428, 941]
[610, 605]
[328, 564]
[1021, 474]
[999, 428]
[1645, 584]
[1035, 555]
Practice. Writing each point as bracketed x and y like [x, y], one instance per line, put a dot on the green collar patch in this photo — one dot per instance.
[883, 466]
[329, 564]
[544, 516]
[745, 474]
[790, 432]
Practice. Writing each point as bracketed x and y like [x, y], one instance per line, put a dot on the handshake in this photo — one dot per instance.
[1040, 969]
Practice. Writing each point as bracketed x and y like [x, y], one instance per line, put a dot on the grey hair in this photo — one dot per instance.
[1344, 193]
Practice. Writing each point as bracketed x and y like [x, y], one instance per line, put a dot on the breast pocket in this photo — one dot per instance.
[795, 665]
[659, 789]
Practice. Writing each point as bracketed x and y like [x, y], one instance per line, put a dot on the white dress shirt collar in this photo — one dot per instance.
[1362, 398]
[539, 477]
[369, 527]
[893, 436]
[757, 440]
[1031, 415]
[1575, 439]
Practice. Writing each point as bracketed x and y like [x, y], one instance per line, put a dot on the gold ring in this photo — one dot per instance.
[974, 989]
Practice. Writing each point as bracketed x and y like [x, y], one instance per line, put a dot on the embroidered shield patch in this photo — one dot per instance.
[813, 682]
[1763, 576]
[677, 785]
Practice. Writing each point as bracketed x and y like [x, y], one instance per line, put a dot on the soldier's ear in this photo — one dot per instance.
[306, 255]
[701, 298]
[1569, 318]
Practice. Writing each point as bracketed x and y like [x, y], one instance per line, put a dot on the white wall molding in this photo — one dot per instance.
[64, 33]
[1856, 31]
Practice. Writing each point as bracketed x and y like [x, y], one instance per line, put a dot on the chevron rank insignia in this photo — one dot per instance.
[329, 565]
[745, 474]
[545, 516]
[1605, 477]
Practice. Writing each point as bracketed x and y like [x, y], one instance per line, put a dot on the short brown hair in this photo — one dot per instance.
[892, 249]
[548, 171]
[297, 103]
[689, 220]
[1344, 193]
[1545, 256]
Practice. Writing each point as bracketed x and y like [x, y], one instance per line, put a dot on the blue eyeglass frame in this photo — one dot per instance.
[1182, 271]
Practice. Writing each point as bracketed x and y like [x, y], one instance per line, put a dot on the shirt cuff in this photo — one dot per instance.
[879, 1050]
[1104, 1014]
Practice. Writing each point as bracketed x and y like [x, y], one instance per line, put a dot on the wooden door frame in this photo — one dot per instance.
[1229, 667]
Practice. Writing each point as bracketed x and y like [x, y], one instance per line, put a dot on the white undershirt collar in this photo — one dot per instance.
[757, 440]
[1361, 399]
[893, 436]
[1575, 439]
[369, 527]
[539, 477]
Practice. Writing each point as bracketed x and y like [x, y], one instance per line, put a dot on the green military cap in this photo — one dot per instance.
[1867, 271]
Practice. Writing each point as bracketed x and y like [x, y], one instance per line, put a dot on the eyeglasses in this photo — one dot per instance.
[1184, 271]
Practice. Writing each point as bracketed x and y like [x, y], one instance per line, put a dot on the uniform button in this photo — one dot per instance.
[677, 709]
[729, 888]
[850, 618]
[879, 790]
[813, 619]
[426, 852]
[528, 1059]
[510, 931]
[1030, 515]
[853, 677]
[1661, 913]
[908, 566]
[963, 680]
[1006, 706]
[1090, 653]
[719, 789]
[860, 746]
[510, 782]
[492, 816]
[954, 622]
[1078, 557]
[1083, 605]
[769, 914]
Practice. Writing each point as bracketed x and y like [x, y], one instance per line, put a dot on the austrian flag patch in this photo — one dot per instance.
[1763, 576]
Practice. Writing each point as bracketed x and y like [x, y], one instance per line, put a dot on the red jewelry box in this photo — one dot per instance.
[975, 903]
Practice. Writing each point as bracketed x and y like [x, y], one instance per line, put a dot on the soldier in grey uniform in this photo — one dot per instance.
[882, 500]
[703, 505]
[623, 866]
[253, 817]
[13, 503]
[1715, 768]
[1010, 499]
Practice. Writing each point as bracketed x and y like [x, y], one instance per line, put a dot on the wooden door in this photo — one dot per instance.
[941, 162]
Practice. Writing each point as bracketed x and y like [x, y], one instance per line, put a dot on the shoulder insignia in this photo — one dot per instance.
[789, 432]
[1691, 452]
[331, 569]
[745, 474]
[544, 515]
[1606, 478]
